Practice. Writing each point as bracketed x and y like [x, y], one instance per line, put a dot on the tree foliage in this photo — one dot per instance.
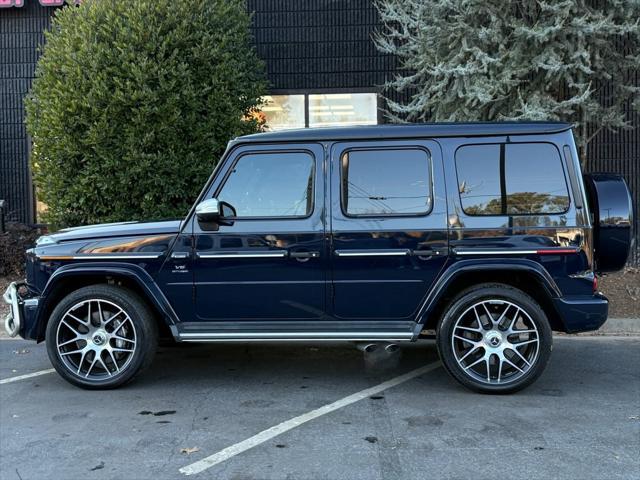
[468, 60]
[134, 102]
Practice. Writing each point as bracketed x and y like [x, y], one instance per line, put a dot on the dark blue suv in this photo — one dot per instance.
[485, 236]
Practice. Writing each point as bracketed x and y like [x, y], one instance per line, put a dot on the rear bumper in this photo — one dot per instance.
[582, 313]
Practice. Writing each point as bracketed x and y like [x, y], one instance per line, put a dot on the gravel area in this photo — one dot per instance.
[4, 308]
[623, 290]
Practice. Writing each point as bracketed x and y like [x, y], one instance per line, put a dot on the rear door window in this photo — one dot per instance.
[511, 179]
[386, 182]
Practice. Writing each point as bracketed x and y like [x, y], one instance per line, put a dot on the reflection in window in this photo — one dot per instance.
[479, 179]
[511, 179]
[230, 242]
[342, 109]
[386, 182]
[271, 185]
[283, 111]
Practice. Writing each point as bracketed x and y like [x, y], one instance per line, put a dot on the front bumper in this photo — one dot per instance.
[19, 309]
[13, 321]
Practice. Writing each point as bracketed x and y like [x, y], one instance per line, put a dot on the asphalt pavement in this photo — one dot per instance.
[259, 411]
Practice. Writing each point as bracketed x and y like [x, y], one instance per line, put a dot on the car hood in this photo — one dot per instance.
[108, 230]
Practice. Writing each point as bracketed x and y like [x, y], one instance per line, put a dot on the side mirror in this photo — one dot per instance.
[208, 210]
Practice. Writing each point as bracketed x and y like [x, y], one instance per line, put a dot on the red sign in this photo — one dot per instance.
[11, 3]
[20, 3]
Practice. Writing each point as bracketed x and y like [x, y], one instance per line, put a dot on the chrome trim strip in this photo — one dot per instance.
[509, 251]
[294, 335]
[260, 282]
[93, 256]
[498, 252]
[372, 253]
[271, 254]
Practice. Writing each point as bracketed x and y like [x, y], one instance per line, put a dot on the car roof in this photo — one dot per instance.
[400, 131]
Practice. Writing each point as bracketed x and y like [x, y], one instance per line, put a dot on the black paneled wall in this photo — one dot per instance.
[20, 35]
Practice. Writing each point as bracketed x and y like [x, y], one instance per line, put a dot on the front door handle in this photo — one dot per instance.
[180, 255]
[299, 255]
[429, 252]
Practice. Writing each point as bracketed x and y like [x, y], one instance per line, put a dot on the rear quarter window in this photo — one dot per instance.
[511, 179]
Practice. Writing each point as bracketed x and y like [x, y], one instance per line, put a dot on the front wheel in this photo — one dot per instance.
[494, 338]
[101, 336]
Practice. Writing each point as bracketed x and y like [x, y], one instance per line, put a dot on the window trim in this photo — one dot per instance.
[227, 174]
[386, 215]
[499, 144]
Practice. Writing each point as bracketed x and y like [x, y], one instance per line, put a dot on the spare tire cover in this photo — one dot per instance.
[611, 207]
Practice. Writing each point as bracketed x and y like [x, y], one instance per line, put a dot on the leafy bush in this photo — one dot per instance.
[134, 102]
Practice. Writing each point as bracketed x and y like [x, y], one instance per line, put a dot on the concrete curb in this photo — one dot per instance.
[618, 326]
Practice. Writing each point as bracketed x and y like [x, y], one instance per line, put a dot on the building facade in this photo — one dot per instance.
[321, 62]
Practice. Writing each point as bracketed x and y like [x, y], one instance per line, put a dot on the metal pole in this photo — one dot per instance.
[2, 216]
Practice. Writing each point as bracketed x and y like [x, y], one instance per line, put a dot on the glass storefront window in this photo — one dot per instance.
[283, 111]
[342, 109]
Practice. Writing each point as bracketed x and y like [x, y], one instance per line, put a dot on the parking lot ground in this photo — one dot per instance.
[580, 420]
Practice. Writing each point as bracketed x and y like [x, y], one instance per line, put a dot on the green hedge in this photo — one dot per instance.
[134, 102]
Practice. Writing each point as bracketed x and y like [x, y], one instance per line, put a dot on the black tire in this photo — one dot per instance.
[463, 309]
[142, 324]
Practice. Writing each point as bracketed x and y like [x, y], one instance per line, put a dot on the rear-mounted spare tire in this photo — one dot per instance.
[612, 210]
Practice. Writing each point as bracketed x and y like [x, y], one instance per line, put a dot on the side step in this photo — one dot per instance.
[312, 330]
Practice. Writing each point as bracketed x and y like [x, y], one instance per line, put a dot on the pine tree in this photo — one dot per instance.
[468, 60]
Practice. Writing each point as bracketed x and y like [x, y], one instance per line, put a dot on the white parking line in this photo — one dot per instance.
[276, 430]
[24, 377]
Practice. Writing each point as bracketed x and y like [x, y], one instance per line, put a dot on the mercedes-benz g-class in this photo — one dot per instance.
[485, 235]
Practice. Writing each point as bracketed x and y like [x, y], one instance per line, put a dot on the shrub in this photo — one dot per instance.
[13, 243]
[134, 102]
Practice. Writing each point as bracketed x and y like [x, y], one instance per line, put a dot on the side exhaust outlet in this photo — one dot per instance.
[367, 347]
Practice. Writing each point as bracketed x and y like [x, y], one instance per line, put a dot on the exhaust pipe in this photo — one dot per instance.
[370, 347]
[391, 348]
[367, 347]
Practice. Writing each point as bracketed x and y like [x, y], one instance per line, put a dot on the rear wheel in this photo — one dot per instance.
[101, 336]
[494, 338]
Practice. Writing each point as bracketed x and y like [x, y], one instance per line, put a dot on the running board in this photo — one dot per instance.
[293, 331]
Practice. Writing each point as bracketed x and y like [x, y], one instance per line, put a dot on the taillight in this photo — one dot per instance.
[595, 284]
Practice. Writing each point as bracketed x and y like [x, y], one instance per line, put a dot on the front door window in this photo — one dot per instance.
[270, 185]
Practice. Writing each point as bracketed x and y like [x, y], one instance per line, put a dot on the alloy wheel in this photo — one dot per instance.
[96, 339]
[495, 342]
